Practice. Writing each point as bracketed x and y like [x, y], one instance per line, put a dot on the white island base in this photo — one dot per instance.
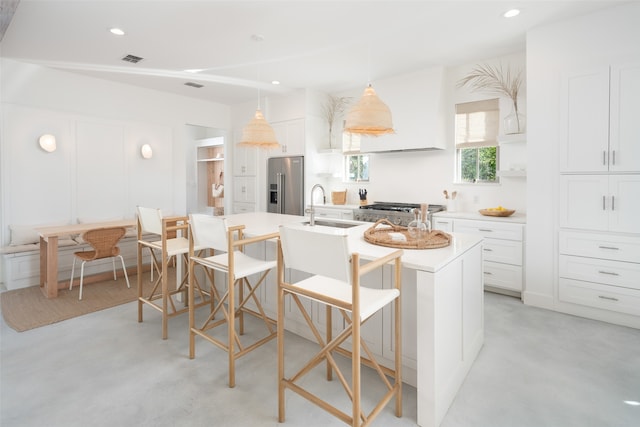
[442, 310]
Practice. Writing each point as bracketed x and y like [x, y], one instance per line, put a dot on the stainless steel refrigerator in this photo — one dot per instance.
[285, 180]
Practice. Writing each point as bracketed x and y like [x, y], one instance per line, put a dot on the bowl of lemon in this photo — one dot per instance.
[497, 211]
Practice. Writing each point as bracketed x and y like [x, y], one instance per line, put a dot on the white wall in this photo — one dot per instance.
[421, 176]
[97, 170]
[602, 38]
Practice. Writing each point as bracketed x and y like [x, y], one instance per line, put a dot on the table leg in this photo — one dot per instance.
[49, 266]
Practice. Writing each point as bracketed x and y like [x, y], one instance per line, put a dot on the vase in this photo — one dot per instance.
[514, 123]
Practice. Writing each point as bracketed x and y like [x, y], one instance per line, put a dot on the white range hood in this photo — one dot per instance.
[416, 101]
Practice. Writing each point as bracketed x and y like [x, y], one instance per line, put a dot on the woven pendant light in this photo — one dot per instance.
[370, 116]
[259, 133]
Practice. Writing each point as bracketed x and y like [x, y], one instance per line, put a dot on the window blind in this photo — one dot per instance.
[477, 123]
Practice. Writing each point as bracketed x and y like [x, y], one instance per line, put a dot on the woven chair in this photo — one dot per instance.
[228, 245]
[104, 242]
[334, 282]
[172, 244]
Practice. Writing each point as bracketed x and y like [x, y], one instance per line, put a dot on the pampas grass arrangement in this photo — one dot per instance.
[496, 80]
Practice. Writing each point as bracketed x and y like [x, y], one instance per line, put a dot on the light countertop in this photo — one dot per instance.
[430, 260]
[516, 218]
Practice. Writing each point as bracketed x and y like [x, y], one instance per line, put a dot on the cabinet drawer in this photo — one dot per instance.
[600, 271]
[617, 248]
[506, 251]
[244, 207]
[489, 229]
[503, 276]
[442, 224]
[613, 298]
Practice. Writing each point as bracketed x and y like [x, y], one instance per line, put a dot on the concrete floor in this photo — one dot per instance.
[537, 368]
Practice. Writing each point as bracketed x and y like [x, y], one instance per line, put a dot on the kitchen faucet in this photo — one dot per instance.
[311, 211]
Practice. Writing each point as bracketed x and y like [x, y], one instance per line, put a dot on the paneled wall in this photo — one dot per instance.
[96, 172]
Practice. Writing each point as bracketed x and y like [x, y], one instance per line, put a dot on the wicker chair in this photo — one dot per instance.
[104, 242]
[335, 283]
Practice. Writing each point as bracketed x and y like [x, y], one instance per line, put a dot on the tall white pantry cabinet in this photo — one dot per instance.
[599, 193]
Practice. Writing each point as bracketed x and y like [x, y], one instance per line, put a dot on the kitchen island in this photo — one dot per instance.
[442, 304]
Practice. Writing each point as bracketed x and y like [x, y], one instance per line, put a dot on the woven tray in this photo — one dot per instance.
[380, 236]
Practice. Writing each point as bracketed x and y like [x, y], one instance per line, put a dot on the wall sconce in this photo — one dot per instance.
[47, 143]
[146, 151]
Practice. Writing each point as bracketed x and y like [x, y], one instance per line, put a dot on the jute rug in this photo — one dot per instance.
[28, 308]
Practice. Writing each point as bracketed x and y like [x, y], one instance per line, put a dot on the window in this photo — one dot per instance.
[477, 141]
[356, 165]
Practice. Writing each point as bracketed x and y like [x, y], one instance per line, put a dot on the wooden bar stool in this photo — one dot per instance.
[228, 244]
[335, 282]
[172, 244]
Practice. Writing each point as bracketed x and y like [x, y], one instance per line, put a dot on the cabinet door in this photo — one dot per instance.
[624, 203]
[244, 189]
[625, 110]
[585, 122]
[583, 202]
[245, 161]
[291, 136]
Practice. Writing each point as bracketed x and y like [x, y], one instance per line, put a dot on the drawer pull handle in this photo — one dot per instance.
[488, 273]
[610, 273]
[485, 229]
[604, 206]
[488, 250]
[613, 248]
[607, 298]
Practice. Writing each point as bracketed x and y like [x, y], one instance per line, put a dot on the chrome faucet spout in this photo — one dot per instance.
[311, 211]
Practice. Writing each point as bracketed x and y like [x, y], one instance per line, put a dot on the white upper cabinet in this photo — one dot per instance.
[599, 120]
[291, 136]
[624, 143]
[245, 159]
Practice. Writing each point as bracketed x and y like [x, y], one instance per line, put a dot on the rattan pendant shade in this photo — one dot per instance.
[259, 133]
[370, 116]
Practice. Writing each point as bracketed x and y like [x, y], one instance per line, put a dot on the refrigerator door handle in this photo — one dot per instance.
[280, 184]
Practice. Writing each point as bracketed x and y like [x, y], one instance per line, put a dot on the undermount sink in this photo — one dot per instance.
[335, 224]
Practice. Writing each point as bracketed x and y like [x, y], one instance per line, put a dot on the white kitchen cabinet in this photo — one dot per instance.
[291, 137]
[333, 213]
[244, 207]
[600, 270]
[244, 189]
[502, 251]
[600, 202]
[245, 161]
[599, 120]
[442, 224]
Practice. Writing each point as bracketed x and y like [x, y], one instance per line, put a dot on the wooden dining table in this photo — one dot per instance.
[49, 250]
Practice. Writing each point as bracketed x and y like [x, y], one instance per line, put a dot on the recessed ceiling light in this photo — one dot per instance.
[116, 31]
[632, 402]
[194, 70]
[511, 13]
[275, 82]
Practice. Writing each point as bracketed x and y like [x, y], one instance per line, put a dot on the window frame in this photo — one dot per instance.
[476, 125]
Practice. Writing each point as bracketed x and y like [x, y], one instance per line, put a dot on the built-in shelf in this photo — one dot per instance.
[513, 138]
[217, 159]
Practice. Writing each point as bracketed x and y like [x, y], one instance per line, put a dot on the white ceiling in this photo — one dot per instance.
[324, 45]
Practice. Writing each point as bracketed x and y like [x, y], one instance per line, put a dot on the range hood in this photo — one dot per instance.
[416, 101]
